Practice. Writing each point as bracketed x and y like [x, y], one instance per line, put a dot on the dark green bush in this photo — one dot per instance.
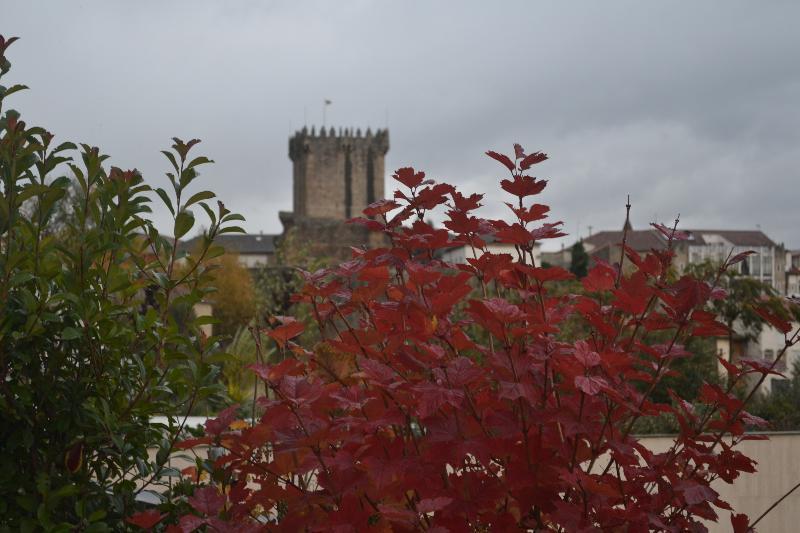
[90, 348]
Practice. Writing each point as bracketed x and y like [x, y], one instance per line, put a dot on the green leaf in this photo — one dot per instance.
[11, 90]
[210, 213]
[64, 146]
[232, 216]
[171, 157]
[197, 161]
[232, 229]
[165, 198]
[202, 195]
[20, 277]
[70, 333]
[183, 223]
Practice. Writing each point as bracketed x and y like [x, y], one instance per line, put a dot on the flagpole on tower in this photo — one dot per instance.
[325, 104]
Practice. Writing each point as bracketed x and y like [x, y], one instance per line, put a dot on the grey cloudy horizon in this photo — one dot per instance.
[691, 108]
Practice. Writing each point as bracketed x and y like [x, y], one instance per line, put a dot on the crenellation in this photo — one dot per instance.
[337, 176]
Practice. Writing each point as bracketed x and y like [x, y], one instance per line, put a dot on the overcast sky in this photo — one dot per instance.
[689, 107]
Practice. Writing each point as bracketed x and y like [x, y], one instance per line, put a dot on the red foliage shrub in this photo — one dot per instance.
[428, 407]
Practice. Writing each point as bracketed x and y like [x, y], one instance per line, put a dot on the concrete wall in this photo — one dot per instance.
[460, 254]
[778, 471]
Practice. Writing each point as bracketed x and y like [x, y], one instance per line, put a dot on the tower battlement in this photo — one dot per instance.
[337, 173]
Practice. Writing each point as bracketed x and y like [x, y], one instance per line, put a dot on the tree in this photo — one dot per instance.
[402, 419]
[233, 298]
[746, 302]
[781, 407]
[89, 347]
[579, 264]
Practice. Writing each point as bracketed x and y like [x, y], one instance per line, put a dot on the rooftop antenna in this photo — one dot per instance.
[590, 230]
[325, 104]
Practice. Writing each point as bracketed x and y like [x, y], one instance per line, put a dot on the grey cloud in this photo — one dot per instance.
[689, 107]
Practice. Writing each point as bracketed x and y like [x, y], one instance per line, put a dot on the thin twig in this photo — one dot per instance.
[774, 505]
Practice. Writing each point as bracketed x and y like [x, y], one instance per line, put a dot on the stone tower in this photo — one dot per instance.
[336, 175]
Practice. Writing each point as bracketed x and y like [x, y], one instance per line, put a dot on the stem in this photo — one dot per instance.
[774, 505]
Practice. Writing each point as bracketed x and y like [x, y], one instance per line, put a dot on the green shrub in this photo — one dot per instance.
[90, 348]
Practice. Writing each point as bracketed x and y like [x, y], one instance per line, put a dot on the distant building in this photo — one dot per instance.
[334, 177]
[460, 254]
[255, 250]
[765, 347]
[793, 273]
[559, 258]
[767, 264]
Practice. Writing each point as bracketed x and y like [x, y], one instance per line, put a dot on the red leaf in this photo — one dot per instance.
[191, 443]
[207, 500]
[761, 366]
[380, 207]
[430, 505]
[668, 233]
[738, 258]
[191, 522]
[732, 369]
[408, 177]
[283, 333]
[503, 310]
[432, 396]
[694, 492]
[371, 225]
[530, 214]
[461, 371]
[519, 152]
[554, 273]
[503, 159]
[585, 355]
[534, 158]
[600, 278]
[590, 385]
[740, 523]
[466, 203]
[146, 519]
[777, 322]
[523, 186]
[218, 425]
[514, 234]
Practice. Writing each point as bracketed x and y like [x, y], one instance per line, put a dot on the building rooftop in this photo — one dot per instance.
[248, 243]
[639, 240]
[647, 239]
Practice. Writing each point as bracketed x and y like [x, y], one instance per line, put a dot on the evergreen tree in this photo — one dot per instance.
[579, 265]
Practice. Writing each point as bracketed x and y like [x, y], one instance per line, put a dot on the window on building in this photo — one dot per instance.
[769, 355]
[755, 265]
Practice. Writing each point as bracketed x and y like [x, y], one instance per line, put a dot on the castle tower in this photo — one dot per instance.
[336, 175]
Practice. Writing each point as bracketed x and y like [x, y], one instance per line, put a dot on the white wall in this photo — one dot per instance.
[459, 255]
[253, 260]
[778, 471]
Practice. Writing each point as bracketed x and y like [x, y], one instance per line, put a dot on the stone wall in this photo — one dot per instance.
[337, 174]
